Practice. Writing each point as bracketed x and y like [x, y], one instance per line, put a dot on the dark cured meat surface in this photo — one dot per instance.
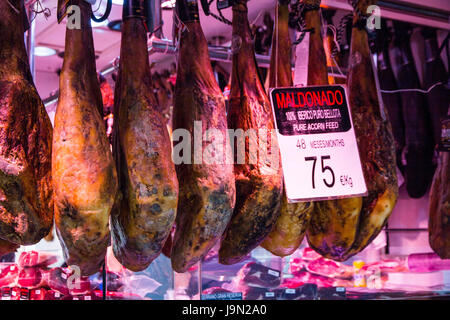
[258, 184]
[290, 228]
[207, 189]
[418, 131]
[26, 195]
[84, 174]
[7, 247]
[143, 217]
[164, 96]
[439, 211]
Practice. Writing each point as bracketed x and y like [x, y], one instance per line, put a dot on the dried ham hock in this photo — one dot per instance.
[290, 228]
[207, 186]
[342, 228]
[258, 182]
[83, 170]
[26, 196]
[142, 219]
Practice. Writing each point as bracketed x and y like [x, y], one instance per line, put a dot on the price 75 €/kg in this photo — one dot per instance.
[327, 170]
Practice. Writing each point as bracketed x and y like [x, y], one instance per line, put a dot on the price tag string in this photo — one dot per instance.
[336, 47]
[413, 90]
[278, 45]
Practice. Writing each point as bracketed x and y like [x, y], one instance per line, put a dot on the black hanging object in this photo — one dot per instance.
[105, 15]
[141, 9]
[419, 140]
[26, 23]
[205, 6]
[392, 101]
[61, 11]
[434, 72]
[223, 4]
[133, 9]
[187, 10]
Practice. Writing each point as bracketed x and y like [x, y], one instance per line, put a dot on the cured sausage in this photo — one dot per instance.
[341, 228]
[207, 187]
[291, 226]
[259, 182]
[439, 97]
[83, 170]
[392, 101]
[26, 196]
[143, 217]
[418, 132]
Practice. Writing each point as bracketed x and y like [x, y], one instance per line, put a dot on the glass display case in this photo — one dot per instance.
[39, 273]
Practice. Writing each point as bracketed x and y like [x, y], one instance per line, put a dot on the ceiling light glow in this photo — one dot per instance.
[99, 24]
[168, 4]
[44, 51]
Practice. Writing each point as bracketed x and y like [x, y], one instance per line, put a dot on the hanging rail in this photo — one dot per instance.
[217, 53]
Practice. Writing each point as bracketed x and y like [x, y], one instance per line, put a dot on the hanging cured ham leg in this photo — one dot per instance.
[438, 102]
[333, 224]
[143, 218]
[207, 190]
[290, 228]
[84, 175]
[26, 203]
[341, 228]
[374, 136]
[439, 220]
[258, 183]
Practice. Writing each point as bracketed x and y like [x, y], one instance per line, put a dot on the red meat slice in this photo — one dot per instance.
[30, 277]
[213, 290]
[57, 280]
[310, 254]
[33, 259]
[297, 265]
[9, 276]
[53, 295]
[15, 293]
[329, 268]
[80, 286]
[38, 294]
[304, 277]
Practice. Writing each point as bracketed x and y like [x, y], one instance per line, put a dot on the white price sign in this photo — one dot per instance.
[317, 141]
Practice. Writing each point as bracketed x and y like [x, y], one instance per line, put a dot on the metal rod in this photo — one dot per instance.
[30, 39]
[413, 10]
[105, 284]
[216, 53]
[406, 230]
